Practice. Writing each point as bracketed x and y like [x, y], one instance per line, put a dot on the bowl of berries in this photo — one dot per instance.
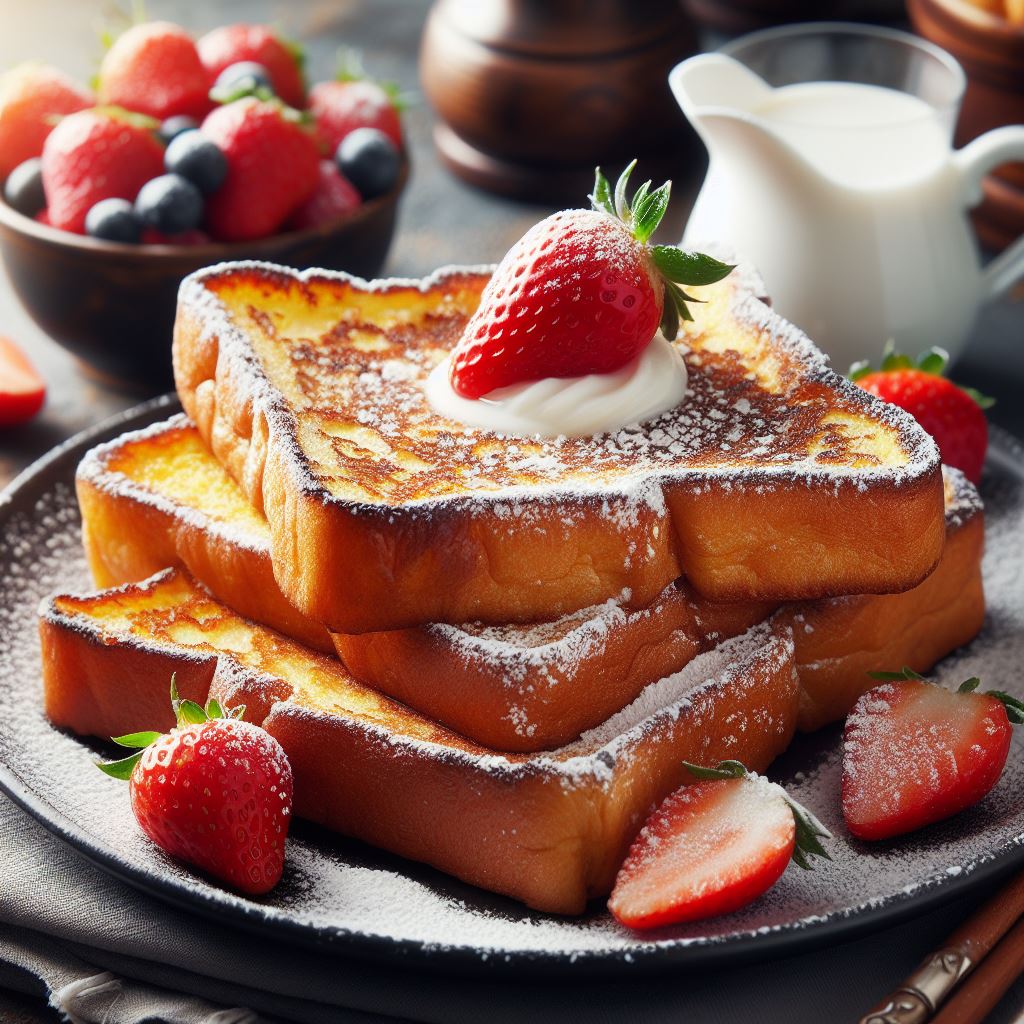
[190, 152]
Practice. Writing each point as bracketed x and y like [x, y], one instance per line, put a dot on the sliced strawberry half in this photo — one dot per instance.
[915, 753]
[713, 847]
[22, 390]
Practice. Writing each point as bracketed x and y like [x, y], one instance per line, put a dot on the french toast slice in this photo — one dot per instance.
[157, 498]
[775, 479]
[549, 829]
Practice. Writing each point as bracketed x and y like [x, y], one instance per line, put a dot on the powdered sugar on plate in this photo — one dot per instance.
[344, 892]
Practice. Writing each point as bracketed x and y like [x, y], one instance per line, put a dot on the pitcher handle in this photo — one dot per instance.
[974, 161]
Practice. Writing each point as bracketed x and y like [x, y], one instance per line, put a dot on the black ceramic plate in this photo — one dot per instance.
[342, 894]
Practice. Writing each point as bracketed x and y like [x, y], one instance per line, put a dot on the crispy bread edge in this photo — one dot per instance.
[394, 555]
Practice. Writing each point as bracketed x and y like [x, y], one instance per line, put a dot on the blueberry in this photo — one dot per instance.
[115, 220]
[238, 79]
[370, 160]
[23, 189]
[174, 126]
[198, 159]
[170, 204]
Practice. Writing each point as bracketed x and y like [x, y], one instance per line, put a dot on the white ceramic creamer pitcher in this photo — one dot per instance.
[841, 185]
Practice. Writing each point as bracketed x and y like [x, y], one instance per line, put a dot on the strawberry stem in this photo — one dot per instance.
[809, 830]
[675, 266]
[186, 712]
[933, 361]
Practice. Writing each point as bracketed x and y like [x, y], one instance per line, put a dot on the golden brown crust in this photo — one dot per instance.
[839, 641]
[502, 696]
[550, 829]
[157, 497]
[365, 520]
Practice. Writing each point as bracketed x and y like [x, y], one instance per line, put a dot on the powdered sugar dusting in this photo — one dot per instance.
[725, 430]
[343, 889]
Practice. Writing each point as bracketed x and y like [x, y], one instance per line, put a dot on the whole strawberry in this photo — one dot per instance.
[215, 792]
[273, 167]
[154, 68]
[97, 154]
[712, 847]
[32, 98]
[581, 292]
[341, 107]
[952, 415]
[233, 44]
[915, 753]
[354, 101]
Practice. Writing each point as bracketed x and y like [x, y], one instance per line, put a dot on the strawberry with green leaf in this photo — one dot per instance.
[581, 292]
[91, 155]
[712, 847]
[215, 792]
[954, 416]
[154, 68]
[260, 44]
[351, 101]
[915, 753]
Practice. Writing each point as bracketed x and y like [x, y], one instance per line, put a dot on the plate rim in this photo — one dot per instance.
[831, 928]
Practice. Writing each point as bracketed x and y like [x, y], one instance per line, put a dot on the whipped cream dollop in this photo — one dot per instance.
[596, 403]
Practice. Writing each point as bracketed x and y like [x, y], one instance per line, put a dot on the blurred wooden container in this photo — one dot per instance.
[532, 94]
[991, 51]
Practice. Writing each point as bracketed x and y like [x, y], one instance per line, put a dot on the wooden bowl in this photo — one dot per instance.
[112, 305]
[991, 51]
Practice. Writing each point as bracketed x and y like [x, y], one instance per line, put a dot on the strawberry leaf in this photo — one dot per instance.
[175, 699]
[859, 369]
[214, 709]
[120, 769]
[622, 209]
[129, 117]
[136, 740]
[237, 711]
[669, 316]
[694, 268]
[969, 685]
[244, 87]
[897, 361]
[640, 195]
[648, 209]
[984, 401]
[933, 361]
[809, 833]
[725, 770]
[601, 198]
[191, 713]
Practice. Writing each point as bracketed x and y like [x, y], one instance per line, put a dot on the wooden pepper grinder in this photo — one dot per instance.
[531, 94]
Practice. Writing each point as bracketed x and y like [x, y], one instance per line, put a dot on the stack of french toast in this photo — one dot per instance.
[494, 654]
